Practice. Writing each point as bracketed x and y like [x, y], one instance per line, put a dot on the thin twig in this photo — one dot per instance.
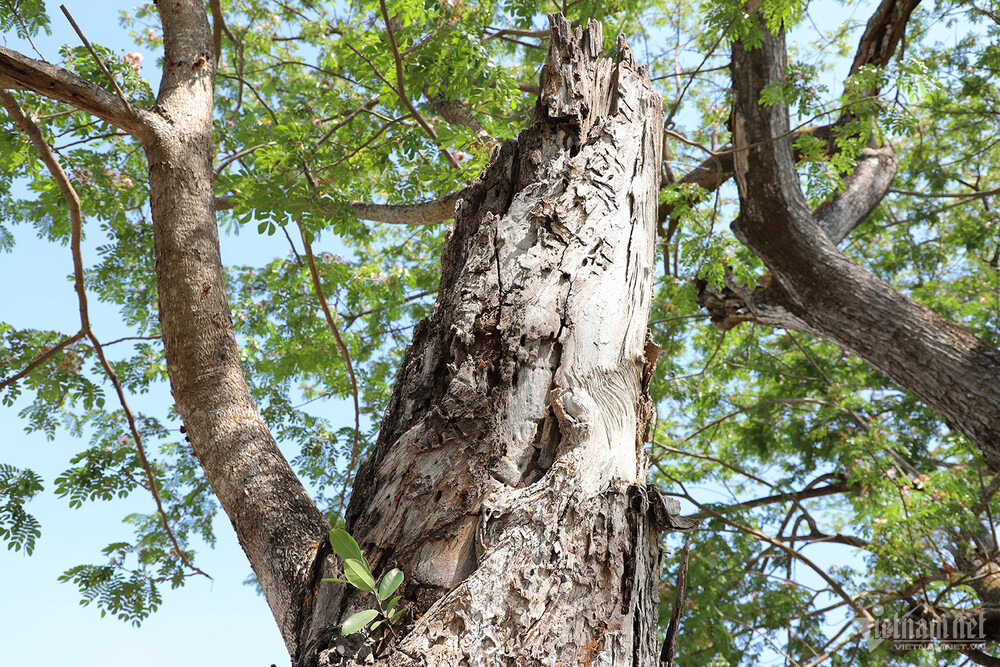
[764, 537]
[347, 119]
[364, 145]
[143, 461]
[947, 195]
[76, 223]
[97, 59]
[350, 318]
[237, 155]
[45, 356]
[793, 131]
[828, 490]
[680, 96]
[707, 364]
[318, 287]
[401, 88]
[125, 338]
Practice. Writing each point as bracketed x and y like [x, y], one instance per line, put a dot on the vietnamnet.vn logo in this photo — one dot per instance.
[917, 630]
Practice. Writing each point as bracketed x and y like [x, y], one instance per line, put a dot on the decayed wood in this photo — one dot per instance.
[509, 479]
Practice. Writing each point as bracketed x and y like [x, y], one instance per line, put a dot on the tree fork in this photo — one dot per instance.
[509, 478]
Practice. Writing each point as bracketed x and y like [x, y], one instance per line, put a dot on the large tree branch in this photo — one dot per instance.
[883, 34]
[876, 167]
[19, 72]
[277, 522]
[863, 189]
[423, 213]
[937, 361]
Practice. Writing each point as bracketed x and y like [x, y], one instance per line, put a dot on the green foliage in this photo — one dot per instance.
[359, 575]
[18, 528]
[25, 17]
[129, 597]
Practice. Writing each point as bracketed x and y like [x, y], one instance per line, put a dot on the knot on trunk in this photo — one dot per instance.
[663, 512]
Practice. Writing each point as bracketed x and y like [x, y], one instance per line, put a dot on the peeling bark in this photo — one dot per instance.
[509, 478]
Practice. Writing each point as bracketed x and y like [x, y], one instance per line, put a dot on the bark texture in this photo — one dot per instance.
[509, 479]
[277, 523]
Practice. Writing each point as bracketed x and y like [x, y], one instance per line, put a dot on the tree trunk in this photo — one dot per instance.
[509, 478]
[277, 523]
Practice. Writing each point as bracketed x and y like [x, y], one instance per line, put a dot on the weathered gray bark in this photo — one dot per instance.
[509, 479]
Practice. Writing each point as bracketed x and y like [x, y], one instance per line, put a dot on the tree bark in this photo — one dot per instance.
[509, 478]
[277, 523]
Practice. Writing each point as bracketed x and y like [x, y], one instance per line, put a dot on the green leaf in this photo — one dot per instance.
[358, 621]
[399, 612]
[358, 575]
[390, 582]
[392, 603]
[377, 623]
[344, 545]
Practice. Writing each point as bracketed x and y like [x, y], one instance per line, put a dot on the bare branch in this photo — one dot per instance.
[42, 358]
[431, 212]
[778, 544]
[219, 27]
[828, 490]
[981, 194]
[97, 59]
[19, 72]
[76, 221]
[425, 213]
[863, 190]
[456, 113]
[345, 354]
